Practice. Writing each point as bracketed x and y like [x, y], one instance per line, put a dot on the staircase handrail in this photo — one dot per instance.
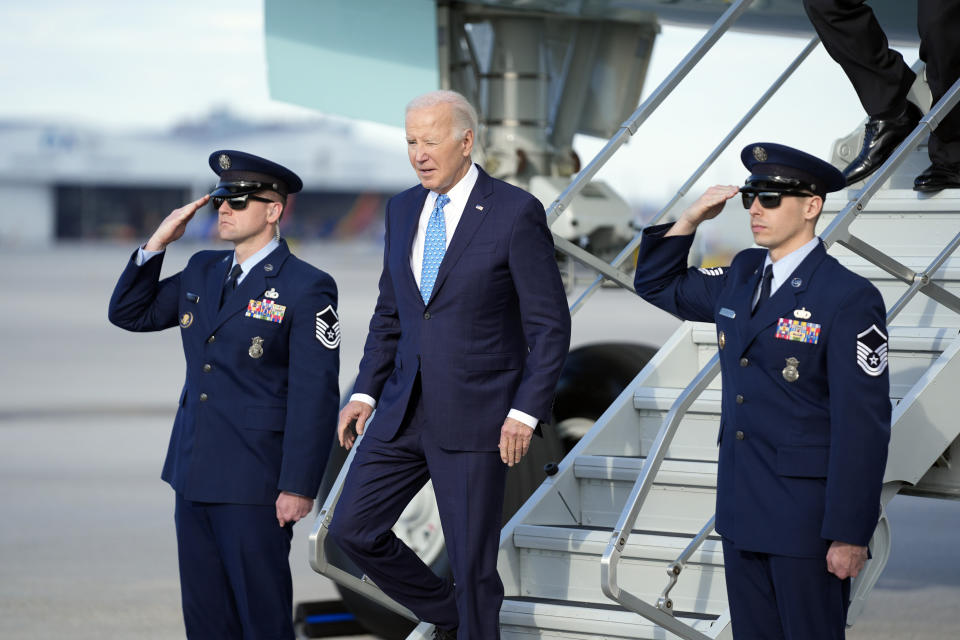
[634, 242]
[626, 130]
[318, 552]
[631, 124]
[628, 517]
[837, 231]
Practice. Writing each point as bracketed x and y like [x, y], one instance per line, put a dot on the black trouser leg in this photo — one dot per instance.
[852, 36]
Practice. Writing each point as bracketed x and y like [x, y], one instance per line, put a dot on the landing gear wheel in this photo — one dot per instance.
[593, 376]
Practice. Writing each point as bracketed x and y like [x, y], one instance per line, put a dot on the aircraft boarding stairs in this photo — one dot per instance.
[619, 542]
[568, 542]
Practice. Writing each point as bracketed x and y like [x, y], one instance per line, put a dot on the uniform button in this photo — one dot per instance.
[203, 398]
[426, 315]
[739, 434]
[739, 399]
[744, 362]
[211, 338]
[206, 368]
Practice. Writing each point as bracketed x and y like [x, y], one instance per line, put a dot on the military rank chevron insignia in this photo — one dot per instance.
[328, 328]
[711, 271]
[872, 351]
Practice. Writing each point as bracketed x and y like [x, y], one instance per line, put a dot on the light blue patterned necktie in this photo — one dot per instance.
[434, 247]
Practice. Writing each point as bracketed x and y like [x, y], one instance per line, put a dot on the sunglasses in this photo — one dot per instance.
[769, 199]
[237, 203]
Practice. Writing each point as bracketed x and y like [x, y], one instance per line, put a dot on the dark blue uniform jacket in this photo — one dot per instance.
[259, 406]
[801, 462]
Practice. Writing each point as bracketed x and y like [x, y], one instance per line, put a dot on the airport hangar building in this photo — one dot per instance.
[61, 182]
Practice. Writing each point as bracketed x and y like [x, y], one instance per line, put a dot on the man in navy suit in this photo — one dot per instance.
[806, 409]
[257, 412]
[466, 344]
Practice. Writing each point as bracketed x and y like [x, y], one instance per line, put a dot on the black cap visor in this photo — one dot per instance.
[236, 188]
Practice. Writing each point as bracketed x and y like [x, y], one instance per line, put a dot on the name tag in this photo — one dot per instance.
[266, 310]
[728, 313]
[797, 331]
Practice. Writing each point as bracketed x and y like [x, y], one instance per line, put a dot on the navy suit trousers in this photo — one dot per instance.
[469, 486]
[783, 598]
[234, 571]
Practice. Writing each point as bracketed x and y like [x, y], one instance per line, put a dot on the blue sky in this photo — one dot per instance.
[135, 65]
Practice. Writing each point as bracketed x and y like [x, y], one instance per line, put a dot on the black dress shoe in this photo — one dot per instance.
[937, 177]
[880, 139]
[444, 634]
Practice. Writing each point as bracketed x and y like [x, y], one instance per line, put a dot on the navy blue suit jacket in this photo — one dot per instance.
[247, 427]
[495, 334]
[801, 462]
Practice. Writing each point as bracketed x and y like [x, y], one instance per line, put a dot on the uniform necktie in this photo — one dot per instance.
[231, 284]
[764, 287]
[434, 247]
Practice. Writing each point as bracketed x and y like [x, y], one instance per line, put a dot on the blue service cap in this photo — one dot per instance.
[777, 167]
[245, 174]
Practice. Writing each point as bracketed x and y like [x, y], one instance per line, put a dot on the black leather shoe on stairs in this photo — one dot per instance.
[881, 138]
[937, 177]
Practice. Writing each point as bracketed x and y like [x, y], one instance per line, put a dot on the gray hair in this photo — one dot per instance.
[464, 115]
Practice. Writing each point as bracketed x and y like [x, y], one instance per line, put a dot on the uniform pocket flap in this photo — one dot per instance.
[265, 418]
[803, 462]
[492, 362]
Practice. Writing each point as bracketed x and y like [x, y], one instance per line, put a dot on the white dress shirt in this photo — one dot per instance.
[452, 212]
[785, 266]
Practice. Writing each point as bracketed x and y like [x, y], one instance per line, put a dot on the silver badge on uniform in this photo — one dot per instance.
[272, 294]
[801, 313]
[256, 347]
[268, 267]
[328, 328]
[790, 373]
[759, 154]
[796, 282]
[872, 351]
[224, 161]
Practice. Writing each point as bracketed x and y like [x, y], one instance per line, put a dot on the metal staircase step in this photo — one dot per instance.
[904, 202]
[681, 500]
[696, 438]
[537, 619]
[662, 398]
[563, 563]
